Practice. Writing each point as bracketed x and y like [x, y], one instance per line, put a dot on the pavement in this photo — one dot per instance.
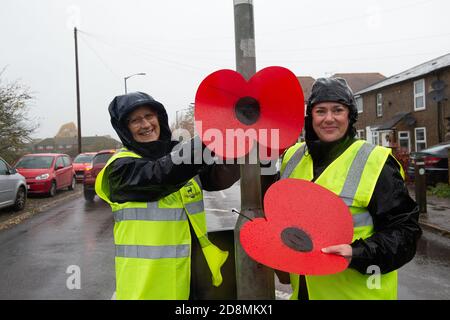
[35, 205]
[437, 217]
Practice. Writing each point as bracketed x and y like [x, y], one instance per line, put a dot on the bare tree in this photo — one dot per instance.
[185, 120]
[15, 126]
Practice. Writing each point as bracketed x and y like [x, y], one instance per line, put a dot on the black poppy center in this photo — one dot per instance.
[297, 239]
[247, 110]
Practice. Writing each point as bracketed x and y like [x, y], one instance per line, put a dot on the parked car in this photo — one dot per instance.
[47, 172]
[81, 162]
[98, 163]
[13, 187]
[436, 163]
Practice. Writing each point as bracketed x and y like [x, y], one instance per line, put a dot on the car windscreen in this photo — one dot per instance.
[83, 158]
[37, 162]
[101, 158]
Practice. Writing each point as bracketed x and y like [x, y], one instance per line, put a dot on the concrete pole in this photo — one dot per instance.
[253, 280]
[78, 90]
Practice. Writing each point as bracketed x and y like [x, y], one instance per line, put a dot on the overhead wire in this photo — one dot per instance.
[146, 53]
[347, 18]
[141, 49]
[99, 57]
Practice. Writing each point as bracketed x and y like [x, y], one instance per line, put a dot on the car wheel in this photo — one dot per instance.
[52, 191]
[21, 198]
[89, 195]
[72, 185]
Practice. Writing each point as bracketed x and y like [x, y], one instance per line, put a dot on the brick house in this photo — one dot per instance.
[408, 111]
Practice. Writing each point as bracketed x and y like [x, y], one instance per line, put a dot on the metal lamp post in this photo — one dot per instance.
[128, 77]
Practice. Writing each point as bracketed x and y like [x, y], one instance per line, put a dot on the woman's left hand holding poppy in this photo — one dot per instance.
[344, 250]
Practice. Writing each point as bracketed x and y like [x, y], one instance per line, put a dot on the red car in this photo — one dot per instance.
[46, 172]
[81, 162]
[98, 163]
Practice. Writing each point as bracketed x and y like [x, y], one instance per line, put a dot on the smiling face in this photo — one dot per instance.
[143, 124]
[330, 120]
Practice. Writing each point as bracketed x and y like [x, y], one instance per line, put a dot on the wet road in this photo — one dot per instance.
[35, 255]
[427, 276]
[40, 258]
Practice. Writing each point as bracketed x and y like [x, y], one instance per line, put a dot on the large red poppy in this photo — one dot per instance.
[232, 113]
[302, 218]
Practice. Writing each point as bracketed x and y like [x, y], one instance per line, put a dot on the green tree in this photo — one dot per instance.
[15, 126]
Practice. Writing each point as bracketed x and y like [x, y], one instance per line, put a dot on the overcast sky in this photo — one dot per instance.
[178, 43]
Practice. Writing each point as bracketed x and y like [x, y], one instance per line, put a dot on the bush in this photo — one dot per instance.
[441, 190]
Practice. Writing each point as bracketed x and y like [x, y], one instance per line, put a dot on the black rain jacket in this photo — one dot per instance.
[157, 175]
[395, 215]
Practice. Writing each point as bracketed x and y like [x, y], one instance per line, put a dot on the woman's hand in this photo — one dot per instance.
[344, 250]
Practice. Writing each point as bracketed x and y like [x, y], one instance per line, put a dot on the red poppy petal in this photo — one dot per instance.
[306, 206]
[263, 244]
[281, 100]
[216, 122]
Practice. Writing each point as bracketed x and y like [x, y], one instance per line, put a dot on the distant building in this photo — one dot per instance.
[359, 81]
[66, 141]
[67, 130]
[306, 83]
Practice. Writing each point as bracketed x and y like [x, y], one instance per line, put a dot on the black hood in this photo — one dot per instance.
[122, 105]
[330, 90]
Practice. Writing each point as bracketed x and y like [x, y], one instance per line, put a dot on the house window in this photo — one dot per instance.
[49, 147]
[421, 138]
[40, 147]
[419, 95]
[404, 141]
[359, 104]
[360, 134]
[379, 105]
[375, 137]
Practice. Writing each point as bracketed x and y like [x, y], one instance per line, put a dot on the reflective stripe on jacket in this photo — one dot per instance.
[153, 241]
[352, 176]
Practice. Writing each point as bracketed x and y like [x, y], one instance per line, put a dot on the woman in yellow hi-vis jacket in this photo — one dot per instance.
[157, 203]
[370, 181]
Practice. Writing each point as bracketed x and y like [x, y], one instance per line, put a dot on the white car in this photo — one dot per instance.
[13, 187]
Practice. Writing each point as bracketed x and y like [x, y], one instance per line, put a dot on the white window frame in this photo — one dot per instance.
[424, 135]
[418, 95]
[360, 133]
[375, 136]
[359, 104]
[404, 138]
[379, 99]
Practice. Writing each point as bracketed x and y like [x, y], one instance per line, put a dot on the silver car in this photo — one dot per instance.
[13, 187]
